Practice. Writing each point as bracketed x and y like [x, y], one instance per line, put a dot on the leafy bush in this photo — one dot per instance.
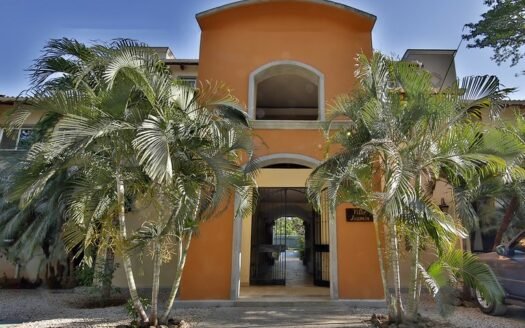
[130, 309]
[84, 276]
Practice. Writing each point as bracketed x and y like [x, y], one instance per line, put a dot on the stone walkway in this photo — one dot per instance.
[299, 284]
[306, 316]
[44, 308]
[296, 273]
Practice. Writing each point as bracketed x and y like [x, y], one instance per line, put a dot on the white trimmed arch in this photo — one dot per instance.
[288, 158]
[267, 70]
[267, 160]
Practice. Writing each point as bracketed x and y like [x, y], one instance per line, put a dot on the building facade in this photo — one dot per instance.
[285, 61]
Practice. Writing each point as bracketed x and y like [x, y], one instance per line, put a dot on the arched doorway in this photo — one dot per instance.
[264, 259]
[282, 238]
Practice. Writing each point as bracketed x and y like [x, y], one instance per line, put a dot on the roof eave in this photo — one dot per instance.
[181, 61]
[241, 3]
[429, 51]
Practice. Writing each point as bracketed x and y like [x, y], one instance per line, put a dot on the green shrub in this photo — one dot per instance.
[132, 314]
[84, 276]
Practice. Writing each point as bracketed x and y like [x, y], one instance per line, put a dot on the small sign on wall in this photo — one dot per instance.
[358, 215]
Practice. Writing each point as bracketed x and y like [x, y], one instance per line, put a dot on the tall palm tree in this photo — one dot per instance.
[91, 118]
[117, 107]
[201, 157]
[401, 137]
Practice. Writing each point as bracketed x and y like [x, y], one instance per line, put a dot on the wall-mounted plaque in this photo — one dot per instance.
[358, 215]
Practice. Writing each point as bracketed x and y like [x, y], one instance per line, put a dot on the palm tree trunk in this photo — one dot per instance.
[156, 282]
[380, 252]
[184, 245]
[413, 292]
[107, 274]
[394, 249]
[126, 261]
[507, 218]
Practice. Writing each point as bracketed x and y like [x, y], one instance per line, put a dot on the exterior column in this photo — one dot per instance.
[334, 281]
[235, 286]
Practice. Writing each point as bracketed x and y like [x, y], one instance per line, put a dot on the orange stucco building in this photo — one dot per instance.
[285, 60]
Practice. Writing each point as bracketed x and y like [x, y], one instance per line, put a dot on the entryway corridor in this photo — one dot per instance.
[299, 284]
[296, 272]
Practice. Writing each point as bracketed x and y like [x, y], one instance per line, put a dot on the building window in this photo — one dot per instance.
[188, 80]
[19, 139]
[286, 91]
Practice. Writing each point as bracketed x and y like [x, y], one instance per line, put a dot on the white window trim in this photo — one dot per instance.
[252, 86]
[2, 131]
[187, 78]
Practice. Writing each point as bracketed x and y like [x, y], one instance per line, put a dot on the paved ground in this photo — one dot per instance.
[44, 308]
[296, 272]
[299, 283]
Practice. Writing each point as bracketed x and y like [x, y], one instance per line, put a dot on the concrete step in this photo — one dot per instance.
[284, 303]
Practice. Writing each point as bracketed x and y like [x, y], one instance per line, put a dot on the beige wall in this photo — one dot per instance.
[31, 120]
[440, 64]
[28, 270]
[142, 261]
[185, 70]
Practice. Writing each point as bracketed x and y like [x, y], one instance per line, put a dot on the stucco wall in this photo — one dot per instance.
[236, 42]
[31, 120]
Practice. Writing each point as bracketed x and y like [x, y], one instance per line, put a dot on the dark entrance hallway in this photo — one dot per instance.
[289, 240]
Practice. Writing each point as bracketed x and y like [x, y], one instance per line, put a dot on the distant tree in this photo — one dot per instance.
[291, 226]
[502, 28]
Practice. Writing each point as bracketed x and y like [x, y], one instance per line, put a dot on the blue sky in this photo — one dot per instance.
[26, 25]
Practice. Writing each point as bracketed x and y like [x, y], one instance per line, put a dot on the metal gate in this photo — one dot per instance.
[268, 249]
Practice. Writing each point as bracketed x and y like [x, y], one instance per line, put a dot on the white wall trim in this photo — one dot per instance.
[235, 285]
[252, 92]
[288, 158]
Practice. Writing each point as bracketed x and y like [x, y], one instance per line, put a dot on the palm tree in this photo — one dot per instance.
[202, 158]
[33, 226]
[94, 117]
[512, 188]
[120, 116]
[401, 137]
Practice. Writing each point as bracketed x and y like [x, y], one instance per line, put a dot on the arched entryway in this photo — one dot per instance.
[264, 256]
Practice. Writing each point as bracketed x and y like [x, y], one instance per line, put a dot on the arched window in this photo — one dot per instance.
[286, 90]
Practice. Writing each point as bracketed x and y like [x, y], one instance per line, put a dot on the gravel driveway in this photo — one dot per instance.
[45, 308]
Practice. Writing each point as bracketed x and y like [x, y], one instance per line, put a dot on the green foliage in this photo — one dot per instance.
[95, 276]
[399, 129]
[84, 275]
[130, 308]
[483, 200]
[301, 248]
[118, 130]
[501, 28]
[290, 226]
[453, 267]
